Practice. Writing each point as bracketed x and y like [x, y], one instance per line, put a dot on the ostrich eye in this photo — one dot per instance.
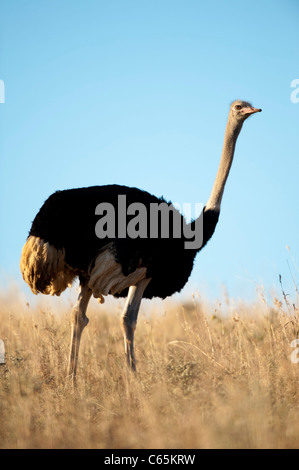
[238, 106]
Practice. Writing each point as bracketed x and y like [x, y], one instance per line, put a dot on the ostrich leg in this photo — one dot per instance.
[129, 318]
[79, 321]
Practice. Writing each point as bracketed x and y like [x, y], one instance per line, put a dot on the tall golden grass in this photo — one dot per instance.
[207, 378]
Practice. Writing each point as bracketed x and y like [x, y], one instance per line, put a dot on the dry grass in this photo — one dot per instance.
[205, 379]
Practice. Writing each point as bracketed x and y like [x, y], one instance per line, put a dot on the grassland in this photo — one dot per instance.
[209, 376]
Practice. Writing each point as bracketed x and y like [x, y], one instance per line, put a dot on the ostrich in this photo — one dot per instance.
[62, 245]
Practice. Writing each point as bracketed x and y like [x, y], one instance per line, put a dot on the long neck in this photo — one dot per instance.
[231, 134]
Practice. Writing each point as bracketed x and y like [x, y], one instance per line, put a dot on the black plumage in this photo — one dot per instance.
[67, 220]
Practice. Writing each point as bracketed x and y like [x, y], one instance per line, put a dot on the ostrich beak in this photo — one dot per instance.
[251, 110]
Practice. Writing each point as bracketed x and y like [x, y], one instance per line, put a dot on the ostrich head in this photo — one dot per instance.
[238, 113]
[241, 110]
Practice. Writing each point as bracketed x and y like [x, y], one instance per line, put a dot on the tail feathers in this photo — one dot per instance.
[43, 267]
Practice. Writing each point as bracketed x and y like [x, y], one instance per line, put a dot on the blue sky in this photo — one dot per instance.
[137, 93]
